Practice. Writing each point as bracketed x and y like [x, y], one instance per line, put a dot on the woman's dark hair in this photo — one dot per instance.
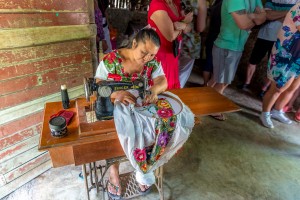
[142, 36]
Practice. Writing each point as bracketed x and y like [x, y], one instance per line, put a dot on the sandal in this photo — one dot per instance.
[146, 191]
[220, 117]
[111, 195]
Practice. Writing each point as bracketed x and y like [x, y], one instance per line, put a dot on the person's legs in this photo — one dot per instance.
[269, 100]
[287, 95]
[220, 87]
[289, 106]
[283, 99]
[225, 66]
[186, 65]
[114, 186]
[261, 48]
[250, 72]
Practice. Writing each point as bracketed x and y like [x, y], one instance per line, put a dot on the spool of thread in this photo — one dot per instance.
[58, 126]
[65, 97]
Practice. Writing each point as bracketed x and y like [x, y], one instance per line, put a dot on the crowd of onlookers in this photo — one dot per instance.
[180, 22]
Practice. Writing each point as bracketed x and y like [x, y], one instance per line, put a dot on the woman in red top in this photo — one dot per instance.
[166, 18]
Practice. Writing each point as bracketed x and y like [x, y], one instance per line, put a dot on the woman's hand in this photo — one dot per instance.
[152, 98]
[179, 26]
[124, 97]
[188, 18]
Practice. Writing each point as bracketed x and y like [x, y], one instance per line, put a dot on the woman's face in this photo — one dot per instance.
[144, 52]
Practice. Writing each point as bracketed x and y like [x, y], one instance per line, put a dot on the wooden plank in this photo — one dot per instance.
[18, 148]
[44, 65]
[43, 5]
[86, 153]
[17, 161]
[62, 156]
[19, 136]
[12, 129]
[45, 89]
[28, 166]
[28, 54]
[14, 38]
[205, 101]
[12, 186]
[25, 20]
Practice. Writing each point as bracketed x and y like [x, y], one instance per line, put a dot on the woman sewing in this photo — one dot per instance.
[145, 144]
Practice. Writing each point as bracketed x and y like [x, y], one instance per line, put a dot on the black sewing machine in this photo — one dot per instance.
[103, 105]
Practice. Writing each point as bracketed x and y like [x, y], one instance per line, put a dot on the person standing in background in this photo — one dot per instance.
[98, 22]
[106, 43]
[283, 70]
[213, 32]
[237, 19]
[191, 43]
[166, 18]
[267, 35]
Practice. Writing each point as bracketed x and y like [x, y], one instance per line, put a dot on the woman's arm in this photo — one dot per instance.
[160, 85]
[201, 17]
[165, 25]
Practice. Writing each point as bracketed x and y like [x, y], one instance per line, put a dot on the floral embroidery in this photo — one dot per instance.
[113, 63]
[116, 77]
[139, 154]
[165, 113]
[164, 128]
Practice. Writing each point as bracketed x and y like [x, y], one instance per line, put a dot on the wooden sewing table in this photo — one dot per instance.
[91, 142]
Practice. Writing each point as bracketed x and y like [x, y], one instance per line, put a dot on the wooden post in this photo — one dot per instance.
[93, 38]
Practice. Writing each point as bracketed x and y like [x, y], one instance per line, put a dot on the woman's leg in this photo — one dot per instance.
[289, 106]
[273, 94]
[287, 95]
[269, 100]
[206, 77]
[283, 99]
[114, 187]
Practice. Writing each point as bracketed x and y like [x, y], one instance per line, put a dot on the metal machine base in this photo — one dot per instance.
[94, 179]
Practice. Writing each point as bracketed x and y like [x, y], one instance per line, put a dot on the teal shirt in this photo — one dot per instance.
[231, 36]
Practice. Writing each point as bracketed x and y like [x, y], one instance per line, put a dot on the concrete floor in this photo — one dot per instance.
[237, 159]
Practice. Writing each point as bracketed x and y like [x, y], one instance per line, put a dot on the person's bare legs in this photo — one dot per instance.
[114, 179]
[290, 104]
[219, 87]
[287, 95]
[273, 94]
[269, 100]
[206, 77]
[250, 72]
[211, 82]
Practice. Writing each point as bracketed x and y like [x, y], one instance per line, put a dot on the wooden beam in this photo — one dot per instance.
[14, 38]
[24, 20]
[43, 5]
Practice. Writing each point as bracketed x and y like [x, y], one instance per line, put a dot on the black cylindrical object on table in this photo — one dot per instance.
[58, 126]
[65, 97]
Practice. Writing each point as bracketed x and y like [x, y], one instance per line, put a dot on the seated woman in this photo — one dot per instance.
[147, 142]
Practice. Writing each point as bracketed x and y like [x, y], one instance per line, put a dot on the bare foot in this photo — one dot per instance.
[143, 188]
[114, 186]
